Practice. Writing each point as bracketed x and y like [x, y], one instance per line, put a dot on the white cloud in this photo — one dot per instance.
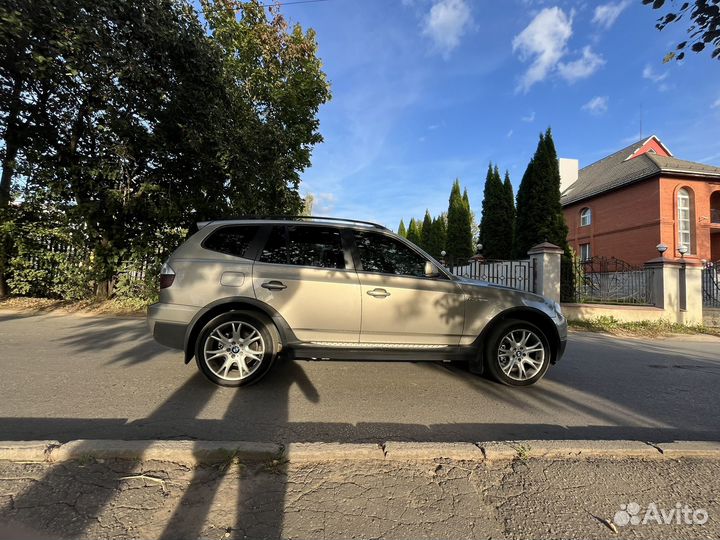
[597, 105]
[606, 14]
[649, 73]
[543, 41]
[581, 68]
[446, 23]
[716, 105]
[510, 133]
[529, 118]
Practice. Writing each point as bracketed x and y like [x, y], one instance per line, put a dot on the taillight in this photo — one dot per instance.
[167, 276]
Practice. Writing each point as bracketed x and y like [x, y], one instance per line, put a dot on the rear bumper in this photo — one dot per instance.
[168, 323]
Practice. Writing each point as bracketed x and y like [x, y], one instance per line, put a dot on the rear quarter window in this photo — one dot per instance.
[232, 240]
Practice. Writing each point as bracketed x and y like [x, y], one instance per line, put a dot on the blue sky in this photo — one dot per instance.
[425, 91]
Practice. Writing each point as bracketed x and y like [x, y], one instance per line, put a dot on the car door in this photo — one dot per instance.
[306, 275]
[400, 305]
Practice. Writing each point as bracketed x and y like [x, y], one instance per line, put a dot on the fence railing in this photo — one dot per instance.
[516, 274]
[711, 285]
[603, 280]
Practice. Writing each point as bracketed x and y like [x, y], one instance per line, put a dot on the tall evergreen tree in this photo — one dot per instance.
[494, 226]
[439, 235]
[402, 231]
[459, 244]
[539, 213]
[427, 230]
[413, 232]
[510, 215]
[474, 227]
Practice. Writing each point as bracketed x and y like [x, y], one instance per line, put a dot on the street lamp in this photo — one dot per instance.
[662, 248]
[682, 250]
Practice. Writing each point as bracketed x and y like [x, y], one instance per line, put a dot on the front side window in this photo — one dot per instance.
[300, 245]
[385, 255]
[684, 219]
[585, 217]
[585, 252]
[233, 240]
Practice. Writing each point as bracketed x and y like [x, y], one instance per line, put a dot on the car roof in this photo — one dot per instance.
[294, 220]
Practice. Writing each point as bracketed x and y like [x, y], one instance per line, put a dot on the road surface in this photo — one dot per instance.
[67, 377]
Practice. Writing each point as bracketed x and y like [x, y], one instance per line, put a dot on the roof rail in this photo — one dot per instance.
[299, 218]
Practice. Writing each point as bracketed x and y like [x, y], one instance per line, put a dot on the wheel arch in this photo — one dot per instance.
[528, 314]
[239, 303]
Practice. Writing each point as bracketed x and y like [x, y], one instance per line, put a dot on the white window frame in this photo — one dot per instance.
[585, 217]
[684, 219]
[585, 252]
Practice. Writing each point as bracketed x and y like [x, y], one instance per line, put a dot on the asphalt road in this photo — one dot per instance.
[67, 377]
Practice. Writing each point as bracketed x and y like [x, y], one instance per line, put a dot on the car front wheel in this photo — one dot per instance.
[235, 349]
[517, 353]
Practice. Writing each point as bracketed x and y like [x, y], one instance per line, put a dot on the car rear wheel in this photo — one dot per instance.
[517, 353]
[235, 349]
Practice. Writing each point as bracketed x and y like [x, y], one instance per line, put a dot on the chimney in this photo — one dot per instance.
[568, 172]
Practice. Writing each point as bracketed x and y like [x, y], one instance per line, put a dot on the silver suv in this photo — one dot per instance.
[238, 293]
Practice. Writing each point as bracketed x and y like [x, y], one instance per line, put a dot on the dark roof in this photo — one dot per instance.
[617, 170]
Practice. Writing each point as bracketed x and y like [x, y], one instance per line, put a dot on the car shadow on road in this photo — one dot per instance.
[73, 515]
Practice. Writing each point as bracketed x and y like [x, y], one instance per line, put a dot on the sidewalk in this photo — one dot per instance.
[410, 495]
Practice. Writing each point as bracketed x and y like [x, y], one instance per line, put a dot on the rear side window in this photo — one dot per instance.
[299, 245]
[233, 240]
[385, 255]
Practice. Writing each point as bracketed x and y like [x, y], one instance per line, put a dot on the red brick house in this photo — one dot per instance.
[626, 204]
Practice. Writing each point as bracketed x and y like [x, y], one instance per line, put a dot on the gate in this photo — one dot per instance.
[605, 280]
[711, 285]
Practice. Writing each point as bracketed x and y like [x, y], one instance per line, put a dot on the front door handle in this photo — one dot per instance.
[274, 285]
[378, 293]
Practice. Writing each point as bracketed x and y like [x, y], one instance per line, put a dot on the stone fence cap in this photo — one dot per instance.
[545, 247]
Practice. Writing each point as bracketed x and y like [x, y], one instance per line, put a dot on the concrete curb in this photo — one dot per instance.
[194, 453]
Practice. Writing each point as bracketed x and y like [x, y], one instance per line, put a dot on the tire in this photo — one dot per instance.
[237, 348]
[525, 350]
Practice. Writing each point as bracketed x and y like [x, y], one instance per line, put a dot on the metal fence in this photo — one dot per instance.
[516, 274]
[711, 285]
[603, 280]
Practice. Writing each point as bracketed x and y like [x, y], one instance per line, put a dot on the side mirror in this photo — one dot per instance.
[431, 270]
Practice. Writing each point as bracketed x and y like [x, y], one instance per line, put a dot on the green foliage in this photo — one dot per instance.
[132, 117]
[439, 236]
[703, 31]
[459, 243]
[427, 231]
[496, 227]
[402, 231]
[414, 232]
[539, 213]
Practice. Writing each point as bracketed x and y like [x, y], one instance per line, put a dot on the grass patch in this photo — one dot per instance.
[640, 328]
[114, 306]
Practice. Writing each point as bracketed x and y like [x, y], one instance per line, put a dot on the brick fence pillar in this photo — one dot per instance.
[546, 261]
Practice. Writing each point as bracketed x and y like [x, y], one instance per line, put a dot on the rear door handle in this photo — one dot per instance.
[274, 285]
[378, 293]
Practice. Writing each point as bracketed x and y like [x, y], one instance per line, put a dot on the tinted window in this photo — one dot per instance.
[275, 250]
[380, 253]
[231, 240]
[305, 246]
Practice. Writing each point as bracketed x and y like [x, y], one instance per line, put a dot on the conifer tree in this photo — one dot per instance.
[539, 213]
[426, 234]
[413, 232]
[402, 231]
[509, 215]
[494, 227]
[459, 244]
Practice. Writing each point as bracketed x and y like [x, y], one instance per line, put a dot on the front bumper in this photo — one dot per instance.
[168, 323]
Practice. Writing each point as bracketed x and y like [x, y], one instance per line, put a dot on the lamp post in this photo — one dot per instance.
[662, 248]
[682, 250]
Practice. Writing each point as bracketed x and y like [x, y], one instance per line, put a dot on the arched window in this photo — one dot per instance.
[685, 219]
[585, 217]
